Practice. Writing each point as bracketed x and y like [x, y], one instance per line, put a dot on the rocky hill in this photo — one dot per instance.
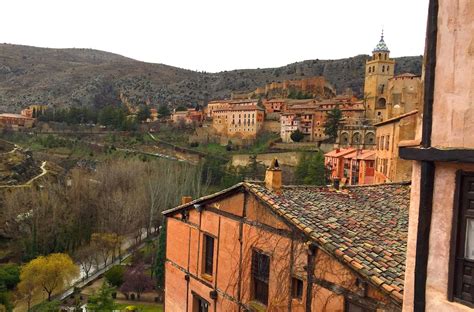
[66, 77]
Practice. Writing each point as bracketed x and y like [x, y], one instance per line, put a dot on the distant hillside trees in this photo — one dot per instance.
[163, 111]
[115, 117]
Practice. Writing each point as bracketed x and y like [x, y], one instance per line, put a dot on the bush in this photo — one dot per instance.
[114, 276]
[9, 275]
[297, 136]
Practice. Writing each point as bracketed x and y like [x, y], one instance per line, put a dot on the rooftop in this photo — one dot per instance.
[339, 152]
[381, 46]
[365, 227]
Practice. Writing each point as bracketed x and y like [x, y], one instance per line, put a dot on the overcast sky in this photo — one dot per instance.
[215, 35]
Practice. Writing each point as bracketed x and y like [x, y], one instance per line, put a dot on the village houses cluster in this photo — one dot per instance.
[404, 245]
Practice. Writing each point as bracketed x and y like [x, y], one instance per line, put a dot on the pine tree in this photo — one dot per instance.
[332, 123]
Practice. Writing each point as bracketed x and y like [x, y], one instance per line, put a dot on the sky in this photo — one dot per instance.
[217, 35]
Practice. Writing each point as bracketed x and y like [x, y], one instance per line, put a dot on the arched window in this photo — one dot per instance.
[383, 68]
[380, 56]
[388, 68]
[356, 138]
[345, 138]
[385, 55]
[373, 69]
[370, 70]
[369, 138]
[381, 103]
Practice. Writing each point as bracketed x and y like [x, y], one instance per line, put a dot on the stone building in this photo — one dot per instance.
[238, 121]
[439, 267]
[389, 167]
[334, 162]
[378, 70]
[268, 247]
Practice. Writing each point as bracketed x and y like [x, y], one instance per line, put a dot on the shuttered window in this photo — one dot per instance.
[208, 254]
[464, 259]
[260, 276]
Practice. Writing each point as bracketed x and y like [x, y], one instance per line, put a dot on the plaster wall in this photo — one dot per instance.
[453, 107]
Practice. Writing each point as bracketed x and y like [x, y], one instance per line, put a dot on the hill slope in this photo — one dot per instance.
[64, 77]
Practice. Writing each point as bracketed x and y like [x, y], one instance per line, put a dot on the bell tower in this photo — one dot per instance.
[378, 70]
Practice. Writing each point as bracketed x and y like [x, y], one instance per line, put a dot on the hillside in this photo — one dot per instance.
[65, 77]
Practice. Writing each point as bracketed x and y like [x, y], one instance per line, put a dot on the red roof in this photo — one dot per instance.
[339, 152]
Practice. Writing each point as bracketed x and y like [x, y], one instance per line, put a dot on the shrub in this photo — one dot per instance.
[114, 276]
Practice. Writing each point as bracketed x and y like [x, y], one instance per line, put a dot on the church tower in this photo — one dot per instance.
[378, 70]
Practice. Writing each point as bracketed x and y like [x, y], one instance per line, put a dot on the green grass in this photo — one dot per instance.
[142, 307]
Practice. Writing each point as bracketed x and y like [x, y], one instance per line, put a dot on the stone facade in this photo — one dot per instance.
[389, 167]
[239, 121]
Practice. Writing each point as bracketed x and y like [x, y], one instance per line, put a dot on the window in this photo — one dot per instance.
[200, 305]
[387, 143]
[461, 281]
[260, 276]
[297, 288]
[208, 254]
[350, 306]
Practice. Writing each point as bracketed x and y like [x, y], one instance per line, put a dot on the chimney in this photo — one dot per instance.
[186, 199]
[273, 176]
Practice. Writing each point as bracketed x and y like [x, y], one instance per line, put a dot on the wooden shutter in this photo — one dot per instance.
[464, 263]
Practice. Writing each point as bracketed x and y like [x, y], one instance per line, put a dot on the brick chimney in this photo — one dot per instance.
[186, 199]
[273, 176]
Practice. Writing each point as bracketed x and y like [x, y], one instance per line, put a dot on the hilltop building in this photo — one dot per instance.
[188, 116]
[268, 247]
[439, 267]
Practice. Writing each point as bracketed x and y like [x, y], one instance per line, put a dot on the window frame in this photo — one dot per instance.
[457, 228]
[365, 308]
[205, 255]
[257, 279]
[296, 293]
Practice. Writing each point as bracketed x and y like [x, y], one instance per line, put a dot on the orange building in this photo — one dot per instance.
[189, 116]
[334, 161]
[274, 106]
[16, 121]
[268, 247]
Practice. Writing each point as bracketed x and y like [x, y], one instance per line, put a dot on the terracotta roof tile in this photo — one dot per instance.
[365, 226]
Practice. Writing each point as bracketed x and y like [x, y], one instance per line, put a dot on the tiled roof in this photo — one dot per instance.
[364, 226]
[339, 152]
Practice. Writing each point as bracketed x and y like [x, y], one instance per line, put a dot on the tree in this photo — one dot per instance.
[297, 136]
[115, 275]
[181, 108]
[9, 275]
[48, 306]
[86, 256]
[163, 111]
[49, 273]
[143, 113]
[137, 281]
[332, 123]
[311, 169]
[106, 244]
[160, 259]
[103, 300]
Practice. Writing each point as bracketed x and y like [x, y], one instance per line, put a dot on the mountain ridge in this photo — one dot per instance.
[88, 77]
